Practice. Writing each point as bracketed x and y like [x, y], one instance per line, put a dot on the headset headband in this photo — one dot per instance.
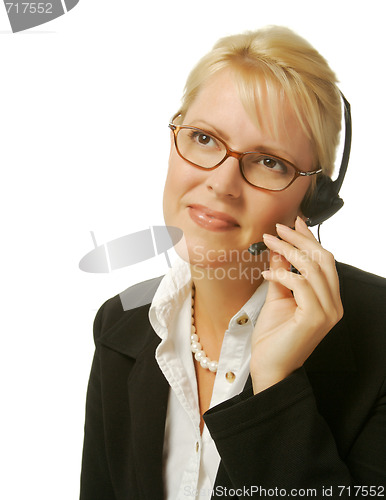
[325, 200]
[347, 145]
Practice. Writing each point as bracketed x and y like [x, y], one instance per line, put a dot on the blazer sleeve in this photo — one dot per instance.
[278, 439]
[95, 483]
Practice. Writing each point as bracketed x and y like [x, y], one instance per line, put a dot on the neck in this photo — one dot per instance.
[218, 297]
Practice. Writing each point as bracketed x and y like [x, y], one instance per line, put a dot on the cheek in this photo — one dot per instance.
[281, 207]
[169, 197]
[179, 180]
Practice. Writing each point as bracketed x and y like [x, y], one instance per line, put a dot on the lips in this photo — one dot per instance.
[211, 219]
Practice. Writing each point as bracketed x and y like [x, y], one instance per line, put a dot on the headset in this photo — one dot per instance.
[325, 200]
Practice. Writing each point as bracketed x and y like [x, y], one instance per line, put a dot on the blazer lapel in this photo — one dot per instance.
[147, 396]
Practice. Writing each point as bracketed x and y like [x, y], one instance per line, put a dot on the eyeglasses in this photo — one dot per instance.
[204, 150]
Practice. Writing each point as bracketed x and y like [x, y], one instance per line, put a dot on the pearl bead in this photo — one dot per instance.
[196, 346]
[213, 365]
[199, 355]
[204, 362]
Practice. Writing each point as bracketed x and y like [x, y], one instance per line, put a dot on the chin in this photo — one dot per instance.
[212, 249]
[215, 254]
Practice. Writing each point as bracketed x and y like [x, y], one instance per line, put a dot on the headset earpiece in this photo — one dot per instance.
[323, 203]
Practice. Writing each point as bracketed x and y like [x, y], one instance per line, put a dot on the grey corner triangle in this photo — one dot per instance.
[70, 4]
[26, 15]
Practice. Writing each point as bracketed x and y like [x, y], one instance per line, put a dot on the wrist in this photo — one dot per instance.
[261, 382]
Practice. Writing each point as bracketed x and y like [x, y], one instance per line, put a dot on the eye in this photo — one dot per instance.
[273, 164]
[270, 162]
[203, 139]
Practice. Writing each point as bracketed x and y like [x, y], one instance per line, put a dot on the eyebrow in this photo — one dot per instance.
[261, 149]
[217, 131]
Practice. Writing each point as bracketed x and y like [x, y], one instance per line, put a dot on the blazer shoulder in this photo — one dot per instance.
[354, 275]
[364, 297]
[362, 292]
[131, 304]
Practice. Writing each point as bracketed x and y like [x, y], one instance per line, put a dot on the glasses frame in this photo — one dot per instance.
[231, 153]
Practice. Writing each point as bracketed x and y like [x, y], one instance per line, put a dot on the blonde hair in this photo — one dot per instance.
[279, 64]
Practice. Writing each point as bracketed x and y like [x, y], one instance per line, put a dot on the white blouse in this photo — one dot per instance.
[190, 459]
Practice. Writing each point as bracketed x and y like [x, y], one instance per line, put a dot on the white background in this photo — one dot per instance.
[78, 97]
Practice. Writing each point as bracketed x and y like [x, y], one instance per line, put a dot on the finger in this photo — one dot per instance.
[276, 290]
[309, 247]
[307, 302]
[278, 261]
[302, 238]
[318, 281]
[309, 244]
[318, 253]
[297, 257]
[302, 291]
[326, 289]
[302, 227]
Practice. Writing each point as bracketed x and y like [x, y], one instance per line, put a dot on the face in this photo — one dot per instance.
[220, 214]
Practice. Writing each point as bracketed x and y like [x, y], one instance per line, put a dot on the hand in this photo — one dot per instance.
[291, 325]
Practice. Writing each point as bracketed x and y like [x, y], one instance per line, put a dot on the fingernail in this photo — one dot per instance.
[269, 237]
[283, 228]
[266, 274]
[301, 221]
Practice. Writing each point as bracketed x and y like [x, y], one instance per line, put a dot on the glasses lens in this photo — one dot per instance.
[199, 147]
[267, 171]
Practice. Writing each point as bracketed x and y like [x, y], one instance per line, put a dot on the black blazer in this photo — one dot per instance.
[324, 426]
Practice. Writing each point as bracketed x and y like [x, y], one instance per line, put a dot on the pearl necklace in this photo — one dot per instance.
[196, 347]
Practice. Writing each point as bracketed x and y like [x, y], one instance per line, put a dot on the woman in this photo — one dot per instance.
[281, 395]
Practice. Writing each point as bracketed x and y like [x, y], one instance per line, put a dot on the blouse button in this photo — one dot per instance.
[230, 376]
[197, 446]
[242, 320]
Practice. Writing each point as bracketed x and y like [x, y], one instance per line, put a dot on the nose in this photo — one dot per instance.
[226, 180]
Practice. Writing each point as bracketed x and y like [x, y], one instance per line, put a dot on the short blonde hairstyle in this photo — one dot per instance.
[277, 63]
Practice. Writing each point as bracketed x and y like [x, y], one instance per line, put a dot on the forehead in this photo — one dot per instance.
[231, 98]
[250, 117]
